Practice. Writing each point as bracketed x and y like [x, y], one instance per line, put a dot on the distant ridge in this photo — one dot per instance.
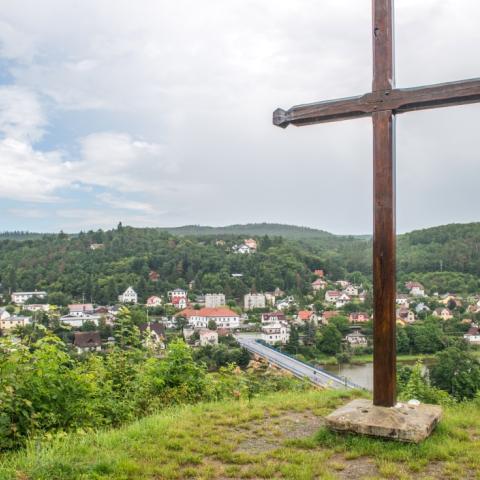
[438, 234]
[255, 229]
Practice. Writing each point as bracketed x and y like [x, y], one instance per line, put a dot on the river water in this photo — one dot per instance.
[360, 374]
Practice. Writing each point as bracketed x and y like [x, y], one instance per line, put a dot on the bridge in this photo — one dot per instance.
[296, 367]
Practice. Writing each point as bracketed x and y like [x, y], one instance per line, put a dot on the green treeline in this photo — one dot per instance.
[443, 258]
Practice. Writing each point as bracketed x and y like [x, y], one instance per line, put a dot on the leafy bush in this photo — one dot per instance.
[43, 389]
[457, 372]
[417, 386]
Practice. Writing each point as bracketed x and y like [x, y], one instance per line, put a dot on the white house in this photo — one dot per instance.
[342, 283]
[272, 317]
[275, 332]
[4, 314]
[179, 302]
[22, 297]
[223, 317]
[416, 289]
[351, 290]
[342, 300]
[405, 315]
[356, 339]
[87, 342]
[243, 249]
[154, 301]
[128, 296]
[80, 309]
[254, 300]
[77, 320]
[358, 317]
[285, 303]
[305, 316]
[319, 284]
[14, 321]
[402, 299]
[177, 293]
[331, 296]
[208, 337]
[214, 300]
[473, 336]
[36, 307]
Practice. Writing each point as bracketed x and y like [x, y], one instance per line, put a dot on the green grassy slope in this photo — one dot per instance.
[277, 436]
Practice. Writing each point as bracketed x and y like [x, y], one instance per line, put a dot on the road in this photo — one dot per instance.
[297, 368]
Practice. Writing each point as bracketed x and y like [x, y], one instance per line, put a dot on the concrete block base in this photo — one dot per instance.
[404, 422]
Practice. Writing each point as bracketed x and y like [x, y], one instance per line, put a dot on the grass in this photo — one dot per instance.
[276, 436]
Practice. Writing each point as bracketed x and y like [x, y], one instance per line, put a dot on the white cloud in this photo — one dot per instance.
[21, 115]
[118, 161]
[30, 175]
[173, 102]
[15, 44]
[125, 204]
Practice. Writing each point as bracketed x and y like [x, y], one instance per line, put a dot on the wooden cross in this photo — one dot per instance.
[382, 104]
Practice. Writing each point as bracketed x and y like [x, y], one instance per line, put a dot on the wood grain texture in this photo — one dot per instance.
[398, 100]
[384, 260]
[382, 39]
[384, 226]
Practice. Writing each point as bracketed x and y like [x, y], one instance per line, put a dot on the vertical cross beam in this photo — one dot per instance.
[384, 231]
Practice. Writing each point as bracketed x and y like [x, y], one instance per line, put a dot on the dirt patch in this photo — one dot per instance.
[356, 469]
[270, 433]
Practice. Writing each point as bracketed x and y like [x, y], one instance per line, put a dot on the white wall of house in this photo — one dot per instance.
[128, 296]
[254, 300]
[22, 297]
[275, 332]
[214, 300]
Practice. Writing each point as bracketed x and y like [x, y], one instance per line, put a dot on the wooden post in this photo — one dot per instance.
[384, 241]
[384, 282]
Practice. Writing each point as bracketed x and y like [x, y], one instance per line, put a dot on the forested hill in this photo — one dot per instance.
[454, 247]
[253, 229]
[126, 256]
[443, 258]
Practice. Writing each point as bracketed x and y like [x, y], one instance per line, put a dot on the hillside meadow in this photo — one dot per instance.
[274, 436]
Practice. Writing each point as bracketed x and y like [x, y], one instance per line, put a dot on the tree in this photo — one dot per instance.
[403, 342]
[126, 333]
[310, 333]
[426, 337]
[457, 372]
[212, 325]
[417, 386]
[330, 341]
[341, 323]
[59, 298]
[293, 341]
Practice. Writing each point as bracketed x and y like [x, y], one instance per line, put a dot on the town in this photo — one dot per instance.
[335, 319]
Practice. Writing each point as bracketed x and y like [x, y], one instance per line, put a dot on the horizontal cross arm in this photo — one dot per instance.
[397, 100]
[319, 112]
[435, 96]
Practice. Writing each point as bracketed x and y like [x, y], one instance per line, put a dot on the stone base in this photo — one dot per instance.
[404, 422]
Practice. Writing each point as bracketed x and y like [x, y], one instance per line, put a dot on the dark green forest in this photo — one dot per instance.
[445, 258]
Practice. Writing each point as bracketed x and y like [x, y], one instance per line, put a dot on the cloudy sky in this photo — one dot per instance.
[158, 113]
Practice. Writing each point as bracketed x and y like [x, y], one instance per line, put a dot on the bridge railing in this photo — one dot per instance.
[342, 380]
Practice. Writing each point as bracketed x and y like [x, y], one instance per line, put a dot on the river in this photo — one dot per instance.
[360, 374]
